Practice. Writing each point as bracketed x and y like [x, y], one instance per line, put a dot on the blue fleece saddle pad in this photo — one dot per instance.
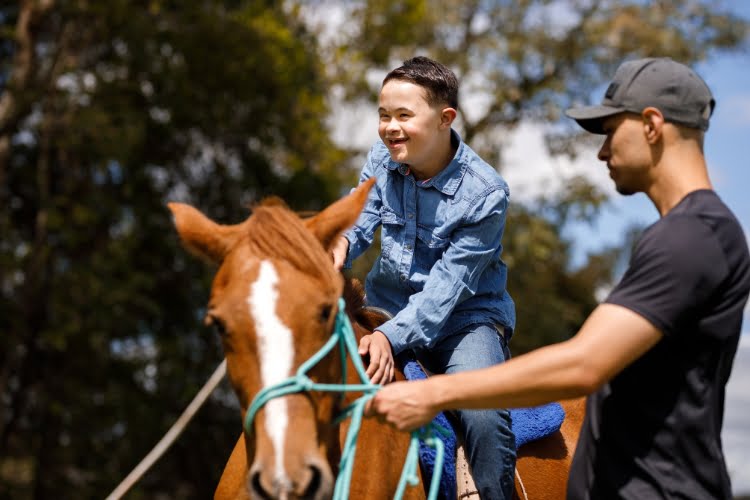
[529, 424]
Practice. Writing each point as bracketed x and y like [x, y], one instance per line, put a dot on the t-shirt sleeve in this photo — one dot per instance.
[676, 267]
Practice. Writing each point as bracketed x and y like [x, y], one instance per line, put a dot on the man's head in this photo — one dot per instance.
[682, 97]
[652, 108]
[417, 106]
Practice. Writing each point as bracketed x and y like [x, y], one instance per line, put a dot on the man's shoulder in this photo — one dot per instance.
[700, 215]
[677, 234]
[690, 242]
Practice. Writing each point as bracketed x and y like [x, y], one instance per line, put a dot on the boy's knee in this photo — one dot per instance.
[486, 420]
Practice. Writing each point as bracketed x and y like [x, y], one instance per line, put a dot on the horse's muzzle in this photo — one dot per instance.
[313, 481]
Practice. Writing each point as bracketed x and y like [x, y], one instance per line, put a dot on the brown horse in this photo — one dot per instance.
[273, 302]
[542, 466]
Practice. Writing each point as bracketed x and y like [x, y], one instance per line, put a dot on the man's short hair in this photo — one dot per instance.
[439, 82]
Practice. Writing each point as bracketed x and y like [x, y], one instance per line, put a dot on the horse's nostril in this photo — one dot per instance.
[313, 486]
[257, 487]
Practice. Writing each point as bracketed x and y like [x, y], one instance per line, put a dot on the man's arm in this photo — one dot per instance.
[610, 339]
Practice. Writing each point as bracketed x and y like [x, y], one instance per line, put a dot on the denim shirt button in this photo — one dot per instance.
[410, 215]
[408, 246]
[403, 277]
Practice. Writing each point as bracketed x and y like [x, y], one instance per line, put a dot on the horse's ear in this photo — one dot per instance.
[339, 216]
[200, 235]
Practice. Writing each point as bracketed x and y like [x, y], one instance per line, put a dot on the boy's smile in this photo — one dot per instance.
[394, 143]
[416, 133]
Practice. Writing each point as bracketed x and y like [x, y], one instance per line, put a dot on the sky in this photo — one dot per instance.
[530, 171]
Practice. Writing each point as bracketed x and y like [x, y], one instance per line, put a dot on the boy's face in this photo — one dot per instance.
[412, 130]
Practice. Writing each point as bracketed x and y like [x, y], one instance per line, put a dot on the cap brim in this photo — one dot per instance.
[591, 117]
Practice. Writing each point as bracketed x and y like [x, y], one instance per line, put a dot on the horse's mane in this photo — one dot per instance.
[354, 295]
[274, 231]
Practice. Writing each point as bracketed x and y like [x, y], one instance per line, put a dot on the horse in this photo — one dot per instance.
[273, 302]
[542, 465]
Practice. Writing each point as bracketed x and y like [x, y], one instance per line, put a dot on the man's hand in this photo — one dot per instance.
[339, 251]
[404, 405]
[381, 369]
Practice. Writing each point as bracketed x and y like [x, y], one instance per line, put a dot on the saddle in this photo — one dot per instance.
[529, 424]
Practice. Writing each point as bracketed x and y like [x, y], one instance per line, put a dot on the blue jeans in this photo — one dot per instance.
[488, 436]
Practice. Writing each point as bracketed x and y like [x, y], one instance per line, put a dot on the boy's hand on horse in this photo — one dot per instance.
[404, 405]
[381, 368]
[339, 251]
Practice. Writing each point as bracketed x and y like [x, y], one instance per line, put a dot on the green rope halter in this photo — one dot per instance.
[343, 335]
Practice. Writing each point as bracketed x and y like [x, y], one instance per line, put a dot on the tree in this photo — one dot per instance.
[527, 60]
[108, 110]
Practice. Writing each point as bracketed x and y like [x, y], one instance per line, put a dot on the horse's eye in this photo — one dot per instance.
[325, 313]
[220, 329]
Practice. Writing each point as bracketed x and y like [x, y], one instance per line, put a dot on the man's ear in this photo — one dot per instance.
[653, 121]
[447, 116]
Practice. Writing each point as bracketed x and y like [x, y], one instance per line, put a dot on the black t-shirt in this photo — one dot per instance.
[654, 431]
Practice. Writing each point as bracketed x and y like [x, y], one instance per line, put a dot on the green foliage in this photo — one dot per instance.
[529, 60]
[131, 105]
[552, 297]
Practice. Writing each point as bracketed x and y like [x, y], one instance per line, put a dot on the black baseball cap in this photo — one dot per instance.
[674, 89]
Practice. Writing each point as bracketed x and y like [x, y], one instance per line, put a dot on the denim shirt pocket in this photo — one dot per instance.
[430, 248]
[393, 228]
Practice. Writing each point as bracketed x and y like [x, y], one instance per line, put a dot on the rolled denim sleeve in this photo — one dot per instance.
[473, 246]
[362, 233]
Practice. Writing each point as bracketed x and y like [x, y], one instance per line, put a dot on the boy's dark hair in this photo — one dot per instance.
[440, 83]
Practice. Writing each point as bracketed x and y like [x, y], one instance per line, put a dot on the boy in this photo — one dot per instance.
[442, 211]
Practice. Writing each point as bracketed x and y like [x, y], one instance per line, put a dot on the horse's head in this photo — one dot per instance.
[273, 301]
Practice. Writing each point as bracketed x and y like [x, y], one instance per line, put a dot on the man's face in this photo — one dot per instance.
[626, 152]
[408, 125]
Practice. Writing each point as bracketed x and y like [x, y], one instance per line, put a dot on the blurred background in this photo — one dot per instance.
[110, 109]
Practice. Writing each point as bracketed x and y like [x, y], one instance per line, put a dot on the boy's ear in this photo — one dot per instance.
[447, 116]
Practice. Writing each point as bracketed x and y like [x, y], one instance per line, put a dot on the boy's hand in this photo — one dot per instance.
[381, 369]
[338, 251]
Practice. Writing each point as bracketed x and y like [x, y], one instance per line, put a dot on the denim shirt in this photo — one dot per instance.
[439, 268]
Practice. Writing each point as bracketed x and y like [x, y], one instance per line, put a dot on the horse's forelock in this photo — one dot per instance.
[273, 201]
[274, 231]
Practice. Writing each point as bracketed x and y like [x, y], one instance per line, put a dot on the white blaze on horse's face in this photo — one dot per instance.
[276, 351]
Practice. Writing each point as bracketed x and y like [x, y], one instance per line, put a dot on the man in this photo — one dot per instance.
[656, 355]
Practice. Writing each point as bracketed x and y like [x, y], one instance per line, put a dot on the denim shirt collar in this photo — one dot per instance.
[448, 180]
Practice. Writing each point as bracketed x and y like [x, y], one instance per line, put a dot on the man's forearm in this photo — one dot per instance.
[547, 374]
